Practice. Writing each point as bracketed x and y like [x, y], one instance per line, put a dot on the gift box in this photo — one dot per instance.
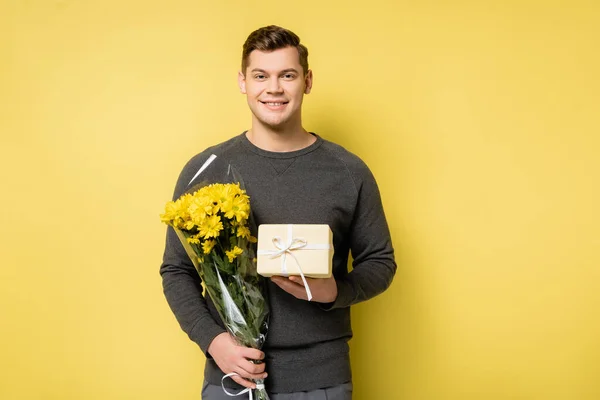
[290, 249]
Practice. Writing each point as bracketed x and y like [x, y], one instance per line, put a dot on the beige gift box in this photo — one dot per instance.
[282, 248]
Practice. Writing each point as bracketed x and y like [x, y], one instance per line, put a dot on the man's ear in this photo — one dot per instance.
[242, 82]
[308, 81]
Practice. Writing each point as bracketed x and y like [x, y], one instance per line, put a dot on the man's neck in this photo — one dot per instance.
[279, 141]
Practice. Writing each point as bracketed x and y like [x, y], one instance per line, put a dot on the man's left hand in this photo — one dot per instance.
[324, 290]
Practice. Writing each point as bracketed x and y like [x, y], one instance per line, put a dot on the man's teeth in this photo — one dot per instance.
[274, 104]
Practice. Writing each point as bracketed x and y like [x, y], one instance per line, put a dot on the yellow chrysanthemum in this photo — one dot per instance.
[243, 231]
[193, 240]
[176, 213]
[188, 225]
[226, 207]
[232, 254]
[171, 213]
[199, 208]
[240, 208]
[202, 210]
[208, 245]
[210, 227]
[224, 197]
[219, 192]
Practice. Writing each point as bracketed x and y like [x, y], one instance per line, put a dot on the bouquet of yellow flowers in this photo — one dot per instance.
[213, 226]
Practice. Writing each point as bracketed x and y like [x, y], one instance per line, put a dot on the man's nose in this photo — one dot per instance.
[274, 86]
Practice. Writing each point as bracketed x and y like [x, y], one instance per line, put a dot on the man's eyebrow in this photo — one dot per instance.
[281, 72]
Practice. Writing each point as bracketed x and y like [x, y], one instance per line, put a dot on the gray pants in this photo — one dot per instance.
[340, 392]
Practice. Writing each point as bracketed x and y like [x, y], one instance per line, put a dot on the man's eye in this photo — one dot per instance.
[289, 76]
[259, 76]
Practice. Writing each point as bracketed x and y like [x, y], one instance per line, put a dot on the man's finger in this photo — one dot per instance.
[253, 371]
[298, 280]
[252, 354]
[244, 382]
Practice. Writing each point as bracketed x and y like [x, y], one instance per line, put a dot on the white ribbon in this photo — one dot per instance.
[259, 386]
[284, 250]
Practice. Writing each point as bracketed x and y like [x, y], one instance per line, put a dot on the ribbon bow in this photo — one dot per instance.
[284, 250]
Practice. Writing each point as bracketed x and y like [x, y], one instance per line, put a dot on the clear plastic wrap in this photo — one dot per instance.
[213, 221]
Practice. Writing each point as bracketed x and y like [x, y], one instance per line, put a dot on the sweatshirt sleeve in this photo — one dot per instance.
[182, 284]
[373, 266]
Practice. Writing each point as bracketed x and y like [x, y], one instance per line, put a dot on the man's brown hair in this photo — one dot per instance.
[270, 38]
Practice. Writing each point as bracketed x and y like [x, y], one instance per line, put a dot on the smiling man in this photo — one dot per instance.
[275, 83]
[293, 177]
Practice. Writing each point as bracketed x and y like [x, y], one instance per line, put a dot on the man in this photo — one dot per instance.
[292, 177]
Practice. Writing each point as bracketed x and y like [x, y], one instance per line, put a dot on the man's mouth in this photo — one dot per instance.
[274, 103]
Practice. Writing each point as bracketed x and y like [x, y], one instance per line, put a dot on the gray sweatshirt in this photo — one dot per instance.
[307, 342]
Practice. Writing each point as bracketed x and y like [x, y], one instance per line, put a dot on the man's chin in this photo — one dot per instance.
[275, 124]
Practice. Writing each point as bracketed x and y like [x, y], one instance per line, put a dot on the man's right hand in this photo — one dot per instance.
[231, 357]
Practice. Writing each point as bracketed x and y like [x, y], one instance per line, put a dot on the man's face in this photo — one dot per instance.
[274, 84]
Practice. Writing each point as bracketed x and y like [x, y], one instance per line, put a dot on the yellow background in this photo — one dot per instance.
[478, 118]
